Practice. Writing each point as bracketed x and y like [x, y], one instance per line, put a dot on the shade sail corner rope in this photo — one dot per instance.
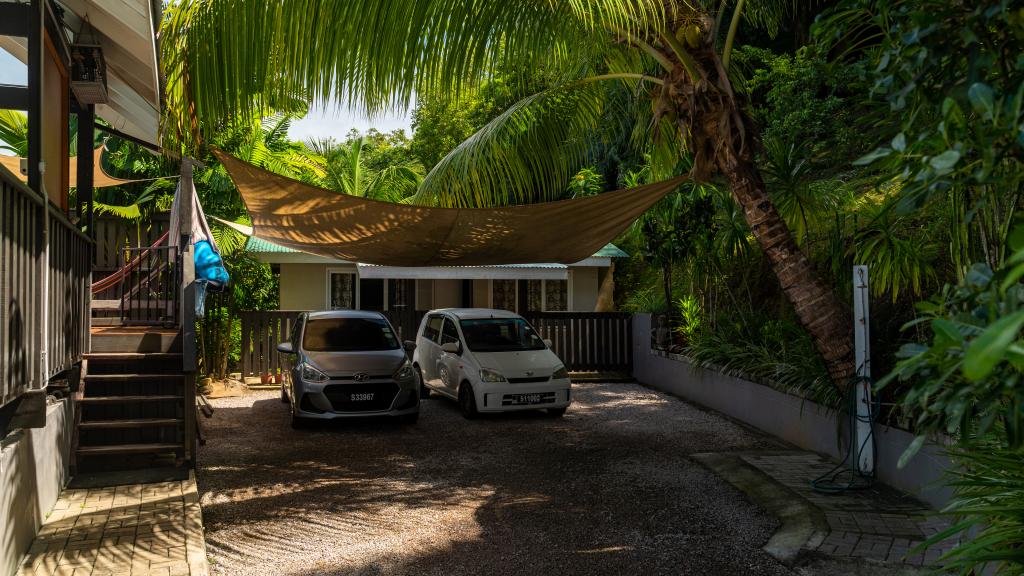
[297, 215]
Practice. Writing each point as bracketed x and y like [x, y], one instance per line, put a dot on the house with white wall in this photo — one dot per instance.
[312, 282]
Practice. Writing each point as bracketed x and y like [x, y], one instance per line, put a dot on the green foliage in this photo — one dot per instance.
[14, 132]
[585, 183]
[760, 347]
[989, 504]
[690, 315]
[968, 379]
[347, 168]
[802, 98]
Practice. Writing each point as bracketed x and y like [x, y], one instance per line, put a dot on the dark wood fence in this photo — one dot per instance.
[585, 341]
[44, 290]
[588, 341]
[262, 331]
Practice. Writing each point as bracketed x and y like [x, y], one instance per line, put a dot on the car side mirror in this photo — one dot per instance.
[409, 345]
[547, 342]
[285, 348]
[450, 347]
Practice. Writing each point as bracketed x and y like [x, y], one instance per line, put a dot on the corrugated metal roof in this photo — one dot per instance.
[262, 246]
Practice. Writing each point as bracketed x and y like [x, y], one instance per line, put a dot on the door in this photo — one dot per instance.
[428, 349]
[447, 362]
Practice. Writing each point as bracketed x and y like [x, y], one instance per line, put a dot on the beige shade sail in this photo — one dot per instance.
[318, 221]
[100, 178]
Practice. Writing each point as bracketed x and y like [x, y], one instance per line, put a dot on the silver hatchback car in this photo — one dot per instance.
[348, 364]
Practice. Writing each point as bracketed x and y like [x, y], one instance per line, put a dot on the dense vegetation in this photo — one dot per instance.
[882, 132]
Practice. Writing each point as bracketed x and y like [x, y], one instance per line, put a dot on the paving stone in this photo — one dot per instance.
[152, 529]
[877, 523]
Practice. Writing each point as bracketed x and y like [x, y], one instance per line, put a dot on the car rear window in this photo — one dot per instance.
[348, 335]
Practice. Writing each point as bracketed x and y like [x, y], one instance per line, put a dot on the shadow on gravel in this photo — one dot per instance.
[608, 489]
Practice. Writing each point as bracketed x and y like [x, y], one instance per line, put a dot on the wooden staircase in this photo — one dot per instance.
[136, 405]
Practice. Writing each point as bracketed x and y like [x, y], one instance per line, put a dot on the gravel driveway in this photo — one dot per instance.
[608, 489]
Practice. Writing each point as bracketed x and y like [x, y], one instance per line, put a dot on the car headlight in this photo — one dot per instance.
[488, 375]
[560, 374]
[310, 374]
[405, 373]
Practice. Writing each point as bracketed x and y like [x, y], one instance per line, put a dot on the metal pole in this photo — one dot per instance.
[864, 448]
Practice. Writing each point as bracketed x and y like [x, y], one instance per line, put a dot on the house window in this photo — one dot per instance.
[503, 295]
[556, 295]
[547, 295]
[341, 290]
[534, 295]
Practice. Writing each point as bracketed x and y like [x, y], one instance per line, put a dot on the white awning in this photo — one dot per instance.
[507, 272]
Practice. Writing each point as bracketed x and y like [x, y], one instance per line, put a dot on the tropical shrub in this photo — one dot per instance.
[967, 382]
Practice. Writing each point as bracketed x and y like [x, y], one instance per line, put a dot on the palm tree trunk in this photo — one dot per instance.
[816, 305]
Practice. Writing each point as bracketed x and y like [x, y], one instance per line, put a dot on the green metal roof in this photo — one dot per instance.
[261, 246]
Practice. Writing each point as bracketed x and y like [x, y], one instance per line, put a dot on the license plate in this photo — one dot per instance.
[362, 397]
[527, 398]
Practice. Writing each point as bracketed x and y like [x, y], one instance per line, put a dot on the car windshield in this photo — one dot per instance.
[500, 335]
[348, 335]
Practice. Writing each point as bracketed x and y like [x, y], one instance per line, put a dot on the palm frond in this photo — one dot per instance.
[526, 154]
[377, 53]
[14, 132]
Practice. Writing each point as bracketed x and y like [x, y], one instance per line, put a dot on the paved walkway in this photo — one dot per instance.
[152, 529]
[877, 523]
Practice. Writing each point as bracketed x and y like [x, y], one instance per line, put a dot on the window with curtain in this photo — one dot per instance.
[503, 295]
[342, 291]
[534, 295]
[556, 295]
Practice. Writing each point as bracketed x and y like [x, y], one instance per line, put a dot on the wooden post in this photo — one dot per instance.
[86, 160]
[188, 307]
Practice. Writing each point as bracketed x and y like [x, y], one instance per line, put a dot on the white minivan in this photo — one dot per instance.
[489, 361]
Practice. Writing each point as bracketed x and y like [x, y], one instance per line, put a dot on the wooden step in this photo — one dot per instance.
[132, 377]
[130, 356]
[127, 449]
[135, 339]
[133, 423]
[128, 399]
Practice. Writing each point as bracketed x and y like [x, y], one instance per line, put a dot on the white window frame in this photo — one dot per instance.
[327, 282]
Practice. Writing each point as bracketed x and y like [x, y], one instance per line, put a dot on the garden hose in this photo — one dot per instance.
[847, 475]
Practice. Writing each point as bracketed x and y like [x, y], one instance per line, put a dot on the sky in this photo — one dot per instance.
[319, 123]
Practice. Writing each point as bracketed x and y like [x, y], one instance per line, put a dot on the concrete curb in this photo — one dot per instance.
[803, 525]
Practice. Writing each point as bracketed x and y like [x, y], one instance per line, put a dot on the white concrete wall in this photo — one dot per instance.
[33, 469]
[791, 418]
[303, 286]
[583, 283]
[447, 293]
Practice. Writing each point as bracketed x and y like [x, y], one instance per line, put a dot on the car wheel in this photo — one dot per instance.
[467, 401]
[284, 395]
[556, 412]
[409, 419]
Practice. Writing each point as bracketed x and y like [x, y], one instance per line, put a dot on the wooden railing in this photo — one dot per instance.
[584, 341]
[45, 269]
[588, 341]
[69, 281]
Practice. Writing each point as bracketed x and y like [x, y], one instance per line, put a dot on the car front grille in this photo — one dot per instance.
[531, 380]
[345, 397]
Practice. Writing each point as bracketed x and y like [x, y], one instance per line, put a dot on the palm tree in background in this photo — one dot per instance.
[672, 56]
[345, 169]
